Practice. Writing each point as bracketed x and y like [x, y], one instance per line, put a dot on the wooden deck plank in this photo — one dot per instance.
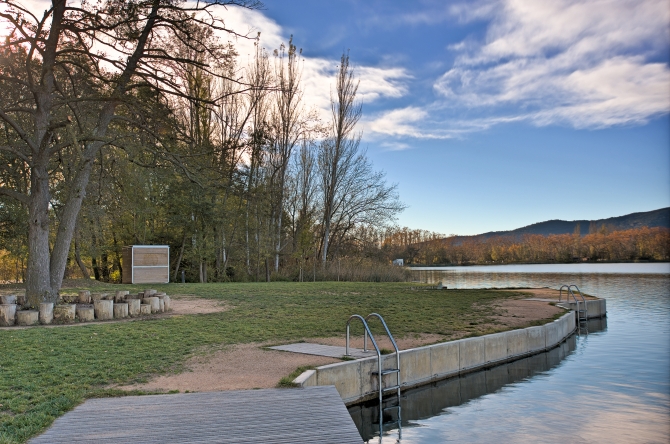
[312, 414]
[324, 350]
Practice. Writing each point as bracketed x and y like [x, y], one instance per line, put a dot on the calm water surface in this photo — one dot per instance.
[612, 385]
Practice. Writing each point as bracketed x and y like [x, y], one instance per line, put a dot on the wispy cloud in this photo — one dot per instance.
[585, 64]
[396, 146]
[403, 122]
[414, 122]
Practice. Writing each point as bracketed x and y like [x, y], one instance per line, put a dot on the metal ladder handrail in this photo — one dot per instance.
[395, 346]
[571, 293]
[379, 355]
[586, 308]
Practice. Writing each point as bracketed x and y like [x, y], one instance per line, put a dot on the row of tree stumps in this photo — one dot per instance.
[83, 307]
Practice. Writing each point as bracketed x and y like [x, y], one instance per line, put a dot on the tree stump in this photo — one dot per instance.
[107, 297]
[153, 302]
[7, 315]
[68, 299]
[133, 307]
[120, 311]
[46, 313]
[150, 293]
[104, 310]
[84, 297]
[120, 296]
[167, 301]
[27, 317]
[97, 296]
[145, 309]
[64, 314]
[85, 313]
[8, 299]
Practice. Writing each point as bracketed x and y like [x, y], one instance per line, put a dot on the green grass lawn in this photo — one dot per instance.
[45, 372]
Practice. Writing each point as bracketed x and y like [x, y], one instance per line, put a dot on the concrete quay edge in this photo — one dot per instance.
[422, 365]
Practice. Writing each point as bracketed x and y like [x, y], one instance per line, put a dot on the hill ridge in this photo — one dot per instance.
[650, 219]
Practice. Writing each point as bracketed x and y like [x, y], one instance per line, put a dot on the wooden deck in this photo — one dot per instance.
[324, 350]
[312, 414]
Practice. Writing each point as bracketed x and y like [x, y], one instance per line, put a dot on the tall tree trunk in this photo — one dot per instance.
[46, 269]
[96, 269]
[77, 257]
[104, 267]
[94, 256]
[117, 254]
[181, 256]
[38, 286]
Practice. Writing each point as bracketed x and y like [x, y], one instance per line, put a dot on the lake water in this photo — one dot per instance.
[610, 386]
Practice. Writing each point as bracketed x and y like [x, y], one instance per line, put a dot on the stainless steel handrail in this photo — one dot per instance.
[586, 308]
[395, 346]
[379, 355]
[577, 302]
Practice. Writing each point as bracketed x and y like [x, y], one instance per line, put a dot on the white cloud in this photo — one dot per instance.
[318, 74]
[587, 64]
[396, 146]
[398, 122]
[318, 77]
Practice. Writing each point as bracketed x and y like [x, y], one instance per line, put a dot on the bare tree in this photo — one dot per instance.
[301, 203]
[259, 77]
[287, 125]
[352, 192]
[73, 72]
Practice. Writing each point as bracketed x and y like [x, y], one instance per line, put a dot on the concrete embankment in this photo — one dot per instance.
[356, 383]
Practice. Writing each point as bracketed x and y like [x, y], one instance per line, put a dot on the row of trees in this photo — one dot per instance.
[626, 245]
[132, 122]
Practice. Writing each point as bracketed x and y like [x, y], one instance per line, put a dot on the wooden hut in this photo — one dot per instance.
[146, 264]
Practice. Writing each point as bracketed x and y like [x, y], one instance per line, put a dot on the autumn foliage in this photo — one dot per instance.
[652, 244]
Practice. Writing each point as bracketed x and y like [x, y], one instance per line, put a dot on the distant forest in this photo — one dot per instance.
[637, 244]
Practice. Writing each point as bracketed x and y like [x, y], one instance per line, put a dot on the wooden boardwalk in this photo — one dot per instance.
[324, 350]
[312, 414]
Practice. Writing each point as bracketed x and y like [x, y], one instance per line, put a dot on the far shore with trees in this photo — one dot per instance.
[419, 247]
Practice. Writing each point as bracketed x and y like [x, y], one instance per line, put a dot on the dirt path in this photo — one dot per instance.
[243, 366]
[249, 366]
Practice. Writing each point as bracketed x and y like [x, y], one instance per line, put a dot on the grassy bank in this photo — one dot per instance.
[45, 372]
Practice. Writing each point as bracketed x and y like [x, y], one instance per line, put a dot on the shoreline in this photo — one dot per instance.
[425, 365]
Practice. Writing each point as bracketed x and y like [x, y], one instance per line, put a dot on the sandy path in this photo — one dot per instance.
[243, 366]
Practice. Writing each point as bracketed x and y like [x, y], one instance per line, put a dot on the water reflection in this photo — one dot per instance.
[432, 399]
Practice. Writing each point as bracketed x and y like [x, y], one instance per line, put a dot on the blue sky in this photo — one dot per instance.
[505, 113]
[492, 115]
[495, 115]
